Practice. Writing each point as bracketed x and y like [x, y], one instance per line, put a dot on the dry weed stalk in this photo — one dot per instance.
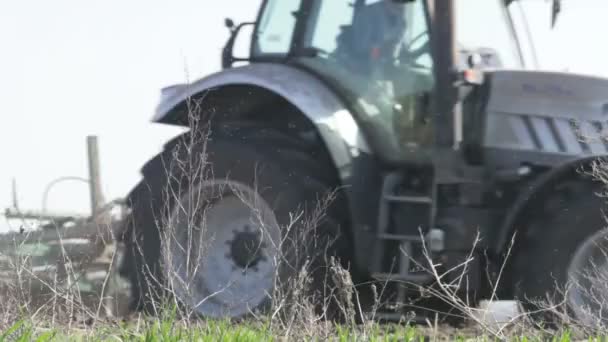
[449, 285]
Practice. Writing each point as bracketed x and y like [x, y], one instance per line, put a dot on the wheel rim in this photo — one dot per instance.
[223, 259]
[588, 274]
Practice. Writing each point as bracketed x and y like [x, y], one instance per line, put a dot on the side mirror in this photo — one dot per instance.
[229, 23]
[227, 53]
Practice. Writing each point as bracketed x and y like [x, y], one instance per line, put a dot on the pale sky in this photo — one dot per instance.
[71, 68]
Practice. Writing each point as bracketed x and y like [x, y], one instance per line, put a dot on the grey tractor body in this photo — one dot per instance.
[442, 154]
[519, 130]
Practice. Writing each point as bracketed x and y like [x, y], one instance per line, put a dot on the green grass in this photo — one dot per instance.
[171, 330]
[167, 327]
[151, 331]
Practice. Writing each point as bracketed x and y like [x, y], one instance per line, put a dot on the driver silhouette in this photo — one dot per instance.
[376, 36]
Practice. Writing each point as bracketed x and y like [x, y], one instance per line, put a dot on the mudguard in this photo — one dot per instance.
[335, 123]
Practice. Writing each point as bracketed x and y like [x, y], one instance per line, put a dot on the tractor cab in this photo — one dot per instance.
[379, 56]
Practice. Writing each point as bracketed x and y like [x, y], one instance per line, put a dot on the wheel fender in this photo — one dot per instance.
[335, 123]
[535, 192]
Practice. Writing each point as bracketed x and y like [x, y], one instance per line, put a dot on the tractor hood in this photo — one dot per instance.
[541, 117]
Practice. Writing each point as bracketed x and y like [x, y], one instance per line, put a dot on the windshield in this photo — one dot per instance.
[378, 54]
[484, 24]
[496, 34]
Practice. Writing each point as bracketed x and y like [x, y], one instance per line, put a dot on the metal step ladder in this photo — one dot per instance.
[406, 241]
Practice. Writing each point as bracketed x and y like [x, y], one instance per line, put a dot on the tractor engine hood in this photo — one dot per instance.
[538, 117]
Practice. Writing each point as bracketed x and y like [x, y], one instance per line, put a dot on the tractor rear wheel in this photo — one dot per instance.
[229, 234]
[563, 256]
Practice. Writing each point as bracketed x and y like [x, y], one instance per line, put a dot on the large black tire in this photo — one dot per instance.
[287, 174]
[556, 228]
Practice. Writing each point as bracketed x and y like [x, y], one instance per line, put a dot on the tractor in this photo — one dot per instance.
[439, 140]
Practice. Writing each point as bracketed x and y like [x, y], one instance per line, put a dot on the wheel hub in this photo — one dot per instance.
[246, 249]
[237, 270]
